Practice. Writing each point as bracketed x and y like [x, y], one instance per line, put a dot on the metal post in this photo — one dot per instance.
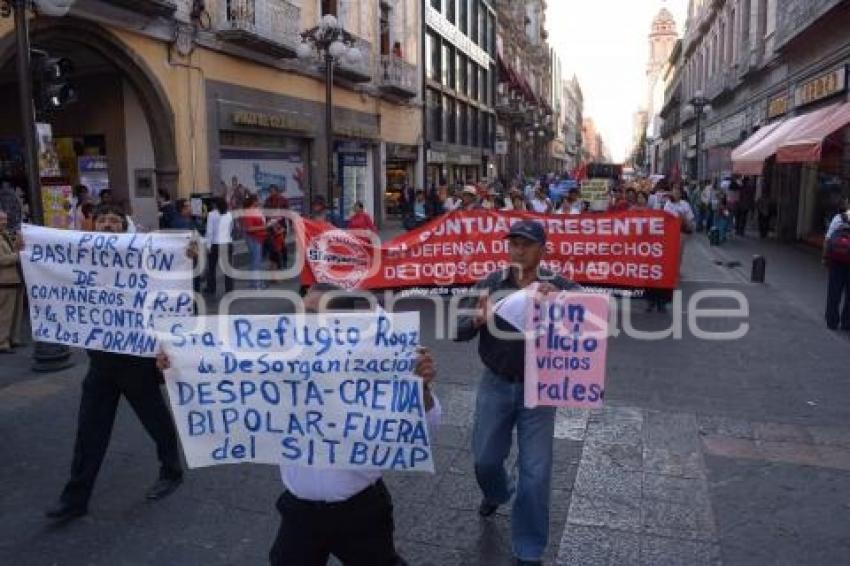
[25, 95]
[329, 128]
[46, 357]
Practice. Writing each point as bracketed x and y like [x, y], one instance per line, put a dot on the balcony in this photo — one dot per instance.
[360, 71]
[719, 84]
[266, 26]
[152, 8]
[797, 17]
[397, 77]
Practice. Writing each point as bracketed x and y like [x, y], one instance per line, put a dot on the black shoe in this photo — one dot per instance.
[520, 562]
[65, 511]
[486, 508]
[163, 488]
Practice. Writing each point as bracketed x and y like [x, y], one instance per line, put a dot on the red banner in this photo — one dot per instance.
[638, 249]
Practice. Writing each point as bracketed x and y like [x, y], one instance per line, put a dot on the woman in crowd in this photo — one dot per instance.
[360, 219]
[254, 227]
[11, 287]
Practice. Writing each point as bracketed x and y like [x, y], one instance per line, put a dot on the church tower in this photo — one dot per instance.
[662, 40]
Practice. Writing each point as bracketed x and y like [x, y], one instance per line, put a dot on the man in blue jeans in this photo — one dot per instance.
[500, 401]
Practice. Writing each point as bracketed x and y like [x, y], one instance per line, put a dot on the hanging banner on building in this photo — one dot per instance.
[565, 359]
[256, 171]
[104, 291]
[322, 391]
[638, 249]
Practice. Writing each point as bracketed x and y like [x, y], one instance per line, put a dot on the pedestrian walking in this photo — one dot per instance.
[254, 227]
[343, 513]
[746, 204]
[109, 377]
[764, 209]
[219, 241]
[836, 256]
[500, 406]
[11, 286]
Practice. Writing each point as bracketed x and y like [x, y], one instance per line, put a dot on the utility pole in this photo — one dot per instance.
[46, 357]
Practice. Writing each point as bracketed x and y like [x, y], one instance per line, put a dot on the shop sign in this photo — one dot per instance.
[273, 121]
[436, 156]
[501, 148]
[397, 152]
[777, 106]
[465, 159]
[362, 132]
[824, 86]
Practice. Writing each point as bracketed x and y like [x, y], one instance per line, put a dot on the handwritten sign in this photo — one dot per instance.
[103, 291]
[323, 391]
[595, 191]
[565, 359]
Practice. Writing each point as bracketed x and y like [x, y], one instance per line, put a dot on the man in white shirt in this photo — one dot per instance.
[219, 240]
[345, 513]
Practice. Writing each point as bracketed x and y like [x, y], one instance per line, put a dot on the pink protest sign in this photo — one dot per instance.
[565, 358]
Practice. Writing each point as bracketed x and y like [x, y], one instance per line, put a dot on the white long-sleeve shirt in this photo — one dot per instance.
[219, 228]
[333, 486]
[837, 221]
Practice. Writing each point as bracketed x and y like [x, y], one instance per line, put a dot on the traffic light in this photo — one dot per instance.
[52, 85]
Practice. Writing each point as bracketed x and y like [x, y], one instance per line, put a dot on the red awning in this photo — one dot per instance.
[750, 160]
[805, 144]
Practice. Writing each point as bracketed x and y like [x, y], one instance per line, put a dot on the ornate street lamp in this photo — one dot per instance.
[700, 106]
[330, 42]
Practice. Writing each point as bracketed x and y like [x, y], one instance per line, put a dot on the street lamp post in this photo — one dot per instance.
[332, 44]
[699, 105]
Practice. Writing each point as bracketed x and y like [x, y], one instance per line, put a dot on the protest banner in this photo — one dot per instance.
[596, 192]
[636, 249]
[103, 291]
[324, 391]
[566, 355]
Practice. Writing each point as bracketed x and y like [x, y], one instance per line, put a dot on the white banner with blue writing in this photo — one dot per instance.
[318, 390]
[102, 291]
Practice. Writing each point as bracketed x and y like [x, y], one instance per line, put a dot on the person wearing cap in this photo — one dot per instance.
[500, 406]
[469, 198]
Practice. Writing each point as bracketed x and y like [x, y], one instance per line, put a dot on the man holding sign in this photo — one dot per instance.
[110, 376]
[500, 405]
[332, 397]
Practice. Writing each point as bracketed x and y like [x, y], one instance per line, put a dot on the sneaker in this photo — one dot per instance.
[65, 511]
[163, 488]
[486, 508]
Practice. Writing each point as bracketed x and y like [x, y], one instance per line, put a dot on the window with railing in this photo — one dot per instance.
[473, 22]
[451, 11]
[463, 16]
[463, 126]
[242, 12]
[330, 7]
[447, 74]
[384, 28]
[462, 74]
[473, 87]
[434, 63]
[475, 128]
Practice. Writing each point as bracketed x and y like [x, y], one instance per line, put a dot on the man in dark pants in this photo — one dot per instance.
[500, 407]
[109, 376]
[839, 273]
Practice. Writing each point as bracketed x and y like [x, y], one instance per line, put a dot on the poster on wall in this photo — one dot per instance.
[56, 201]
[94, 173]
[256, 171]
[48, 158]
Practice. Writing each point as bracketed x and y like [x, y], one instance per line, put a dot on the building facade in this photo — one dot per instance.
[573, 120]
[768, 68]
[196, 97]
[460, 77]
[526, 120]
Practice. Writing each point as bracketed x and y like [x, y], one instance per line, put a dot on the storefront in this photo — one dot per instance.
[259, 139]
[804, 159]
[456, 166]
[401, 170]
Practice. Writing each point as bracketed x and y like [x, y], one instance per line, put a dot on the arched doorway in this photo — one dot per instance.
[122, 119]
